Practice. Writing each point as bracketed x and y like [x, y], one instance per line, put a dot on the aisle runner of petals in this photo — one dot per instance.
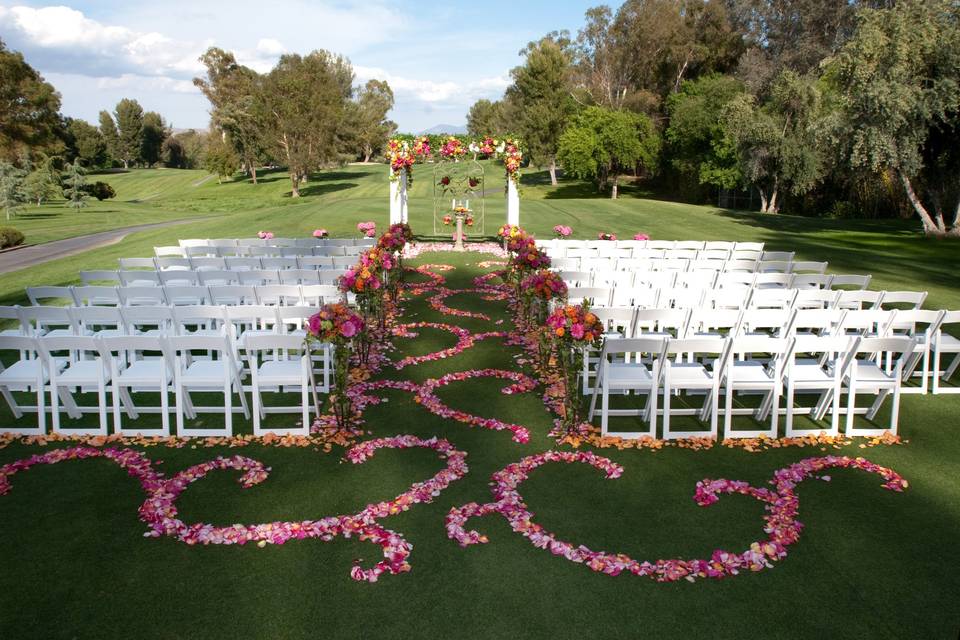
[781, 504]
[159, 510]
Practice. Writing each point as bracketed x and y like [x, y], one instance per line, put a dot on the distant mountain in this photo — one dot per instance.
[452, 129]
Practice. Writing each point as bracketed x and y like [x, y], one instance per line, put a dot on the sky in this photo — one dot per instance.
[439, 57]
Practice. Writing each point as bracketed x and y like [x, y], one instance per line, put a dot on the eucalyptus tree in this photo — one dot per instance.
[30, 119]
[129, 118]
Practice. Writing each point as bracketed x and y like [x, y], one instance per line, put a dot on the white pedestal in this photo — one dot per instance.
[398, 198]
[513, 203]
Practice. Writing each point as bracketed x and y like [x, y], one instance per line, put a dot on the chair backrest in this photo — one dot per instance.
[892, 345]
[772, 280]
[130, 264]
[171, 252]
[274, 342]
[779, 256]
[279, 294]
[139, 278]
[812, 281]
[218, 277]
[849, 280]
[182, 347]
[87, 344]
[597, 296]
[133, 344]
[314, 262]
[820, 322]
[180, 277]
[188, 295]
[860, 299]
[22, 344]
[254, 316]
[773, 266]
[724, 321]
[243, 264]
[616, 319]
[222, 242]
[670, 321]
[90, 277]
[97, 318]
[136, 318]
[299, 276]
[807, 266]
[642, 297]
[233, 295]
[208, 264]
[816, 299]
[910, 321]
[776, 348]
[55, 295]
[772, 321]
[278, 264]
[174, 264]
[37, 320]
[748, 246]
[868, 321]
[138, 296]
[696, 279]
[96, 296]
[344, 262]
[695, 348]
[576, 278]
[316, 295]
[257, 277]
[681, 298]
[772, 298]
[293, 318]
[200, 251]
[903, 299]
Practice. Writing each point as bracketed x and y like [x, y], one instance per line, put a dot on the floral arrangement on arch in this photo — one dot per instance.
[453, 149]
[338, 325]
[403, 154]
[573, 329]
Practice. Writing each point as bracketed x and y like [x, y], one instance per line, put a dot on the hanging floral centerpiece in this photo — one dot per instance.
[573, 329]
[338, 325]
[509, 150]
[541, 291]
[365, 281]
[525, 258]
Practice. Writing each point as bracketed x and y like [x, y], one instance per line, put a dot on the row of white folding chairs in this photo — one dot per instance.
[711, 279]
[278, 242]
[660, 245]
[209, 263]
[742, 297]
[255, 277]
[925, 326]
[255, 251]
[60, 366]
[662, 368]
[668, 254]
[745, 265]
[270, 294]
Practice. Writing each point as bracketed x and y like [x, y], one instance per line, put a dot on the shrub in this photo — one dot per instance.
[10, 237]
[101, 191]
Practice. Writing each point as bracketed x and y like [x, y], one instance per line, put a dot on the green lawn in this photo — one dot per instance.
[869, 563]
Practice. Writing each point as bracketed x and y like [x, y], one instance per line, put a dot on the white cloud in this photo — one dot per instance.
[431, 91]
[147, 83]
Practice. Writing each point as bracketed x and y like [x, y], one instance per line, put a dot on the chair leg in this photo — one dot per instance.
[228, 406]
[41, 408]
[54, 402]
[851, 403]
[117, 427]
[789, 408]
[728, 410]
[164, 405]
[14, 407]
[102, 406]
[715, 411]
[255, 394]
[604, 409]
[895, 410]
[178, 401]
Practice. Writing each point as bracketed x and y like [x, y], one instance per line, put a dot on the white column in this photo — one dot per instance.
[403, 196]
[513, 203]
[395, 215]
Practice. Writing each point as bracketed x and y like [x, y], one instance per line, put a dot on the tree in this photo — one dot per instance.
[220, 158]
[601, 144]
[111, 139]
[76, 185]
[172, 153]
[541, 91]
[43, 183]
[29, 109]
[486, 118]
[235, 95]
[129, 118]
[154, 132]
[372, 128]
[87, 143]
[12, 193]
[899, 82]
[101, 191]
[776, 142]
[698, 143]
[304, 99]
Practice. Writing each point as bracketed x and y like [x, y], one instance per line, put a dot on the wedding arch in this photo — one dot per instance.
[404, 153]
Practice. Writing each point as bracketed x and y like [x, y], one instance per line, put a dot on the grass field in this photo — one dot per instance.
[870, 563]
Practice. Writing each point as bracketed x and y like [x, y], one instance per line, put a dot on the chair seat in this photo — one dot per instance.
[142, 372]
[22, 372]
[203, 372]
[689, 372]
[621, 375]
[809, 372]
[82, 372]
[751, 371]
[279, 372]
[949, 344]
[869, 372]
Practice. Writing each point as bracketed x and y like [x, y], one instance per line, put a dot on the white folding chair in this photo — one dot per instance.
[86, 365]
[808, 267]
[47, 321]
[922, 325]
[748, 373]
[28, 372]
[208, 263]
[903, 299]
[617, 323]
[777, 256]
[853, 281]
[131, 372]
[149, 321]
[233, 295]
[817, 364]
[628, 365]
[174, 264]
[299, 276]
[316, 295]
[860, 299]
[946, 344]
[10, 315]
[243, 264]
[868, 375]
[179, 278]
[315, 262]
[772, 280]
[816, 299]
[278, 362]
[218, 278]
[199, 320]
[98, 321]
[693, 365]
[772, 298]
[139, 278]
[812, 281]
[279, 264]
[595, 296]
[206, 374]
[130, 264]
[279, 294]
[177, 296]
[642, 297]
[169, 252]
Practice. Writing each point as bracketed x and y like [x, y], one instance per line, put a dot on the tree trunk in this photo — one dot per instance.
[366, 157]
[126, 164]
[295, 183]
[929, 226]
[955, 227]
[772, 206]
[763, 200]
[613, 190]
[252, 169]
[553, 172]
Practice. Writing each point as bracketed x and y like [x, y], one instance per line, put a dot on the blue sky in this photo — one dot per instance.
[439, 57]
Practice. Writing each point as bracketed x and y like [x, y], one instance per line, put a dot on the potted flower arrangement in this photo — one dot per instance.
[641, 236]
[573, 329]
[320, 233]
[367, 229]
[562, 231]
[265, 235]
[338, 325]
[606, 236]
